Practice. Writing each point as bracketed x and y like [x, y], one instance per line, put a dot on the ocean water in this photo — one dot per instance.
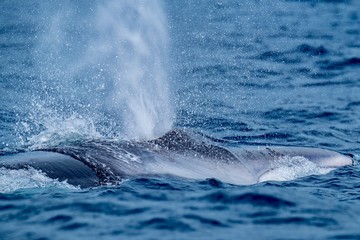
[251, 72]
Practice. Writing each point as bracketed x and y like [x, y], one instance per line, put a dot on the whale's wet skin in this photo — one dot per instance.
[93, 163]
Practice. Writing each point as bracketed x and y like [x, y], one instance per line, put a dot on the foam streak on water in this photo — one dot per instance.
[103, 62]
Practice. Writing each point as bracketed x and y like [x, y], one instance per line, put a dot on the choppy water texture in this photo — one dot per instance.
[243, 72]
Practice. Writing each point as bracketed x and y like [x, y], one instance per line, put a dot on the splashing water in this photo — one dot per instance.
[101, 64]
[289, 168]
[11, 180]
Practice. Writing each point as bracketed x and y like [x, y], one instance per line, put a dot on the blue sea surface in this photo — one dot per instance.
[250, 72]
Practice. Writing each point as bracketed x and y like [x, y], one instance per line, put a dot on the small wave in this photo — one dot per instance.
[339, 65]
[270, 55]
[12, 180]
[151, 183]
[171, 224]
[353, 104]
[205, 220]
[254, 199]
[280, 57]
[270, 135]
[326, 83]
[213, 183]
[312, 51]
[312, 221]
[197, 121]
[300, 115]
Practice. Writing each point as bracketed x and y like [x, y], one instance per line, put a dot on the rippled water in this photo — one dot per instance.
[242, 72]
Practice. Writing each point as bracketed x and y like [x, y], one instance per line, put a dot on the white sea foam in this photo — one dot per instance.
[12, 180]
[289, 168]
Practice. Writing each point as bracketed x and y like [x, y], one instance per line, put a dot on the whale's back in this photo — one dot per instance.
[92, 163]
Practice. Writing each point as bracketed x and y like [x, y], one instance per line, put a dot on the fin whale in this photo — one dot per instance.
[94, 163]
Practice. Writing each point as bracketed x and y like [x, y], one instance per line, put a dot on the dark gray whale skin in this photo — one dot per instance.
[94, 163]
[55, 165]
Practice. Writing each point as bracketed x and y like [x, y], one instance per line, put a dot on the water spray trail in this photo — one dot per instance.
[140, 80]
[104, 62]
